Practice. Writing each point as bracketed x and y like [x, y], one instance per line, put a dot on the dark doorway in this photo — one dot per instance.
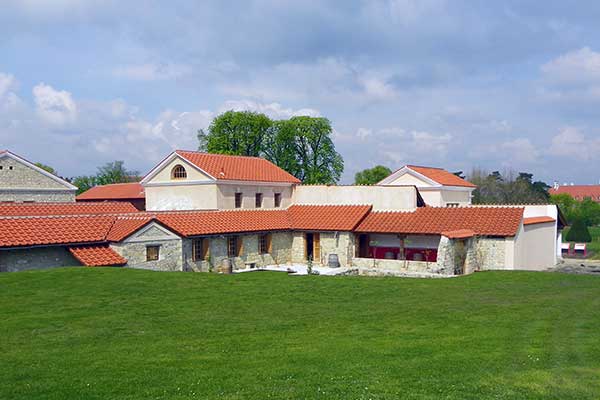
[309, 246]
[363, 246]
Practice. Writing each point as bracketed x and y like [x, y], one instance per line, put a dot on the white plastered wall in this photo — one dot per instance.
[381, 197]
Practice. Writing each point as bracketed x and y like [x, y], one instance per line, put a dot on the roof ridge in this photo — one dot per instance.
[219, 154]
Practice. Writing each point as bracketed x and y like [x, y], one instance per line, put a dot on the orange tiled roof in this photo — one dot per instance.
[226, 221]
[491, 221]
[121, 191]
[459, 234]
[579, 192]
[47, 209]
[97, 255]
[30, 231]
[441, 176]
[238, 168]
[537, 220]
[125, 225]
[327, 217]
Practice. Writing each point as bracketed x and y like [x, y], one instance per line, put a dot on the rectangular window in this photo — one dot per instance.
[234, 246]
[452, 204]
[238, 200]
[258, 200]
[152, 253]
[200, 249]
[277, 200]
[264, 244]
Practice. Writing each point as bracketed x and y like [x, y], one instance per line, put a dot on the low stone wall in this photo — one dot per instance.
[340, 243]
[368, 265]
[36, 258]
[486, 254]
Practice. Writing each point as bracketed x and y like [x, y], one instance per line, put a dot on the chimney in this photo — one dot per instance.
[555, 185]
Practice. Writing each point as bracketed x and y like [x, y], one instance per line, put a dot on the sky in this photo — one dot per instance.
[503, 85]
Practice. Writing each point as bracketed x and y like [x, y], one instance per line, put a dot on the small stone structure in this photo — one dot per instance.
[36, 258]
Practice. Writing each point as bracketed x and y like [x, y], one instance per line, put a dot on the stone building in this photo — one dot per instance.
[23, 181]
[208, 212]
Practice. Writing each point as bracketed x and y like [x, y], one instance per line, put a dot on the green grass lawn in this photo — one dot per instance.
[594, 245]
[109, 333]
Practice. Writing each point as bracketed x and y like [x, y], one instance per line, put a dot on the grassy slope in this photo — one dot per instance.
[117, 333]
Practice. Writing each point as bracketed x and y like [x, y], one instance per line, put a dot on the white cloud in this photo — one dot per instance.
[520, 151]
[580, 66]
[377, 89]
[152, 71]
[7, 83]
[571, 142]
[273, 110]
[54, 106]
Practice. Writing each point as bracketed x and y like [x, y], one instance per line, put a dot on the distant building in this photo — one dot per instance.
[578, 192]
[23, 181]
[438, 187]
[126, 192]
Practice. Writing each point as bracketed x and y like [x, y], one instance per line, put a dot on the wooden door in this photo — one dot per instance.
[317, 247]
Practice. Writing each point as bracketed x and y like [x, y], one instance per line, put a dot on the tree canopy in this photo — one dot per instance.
[300, 145]
[112, 172]
[507, 188]
[586, 210]
[46, 168]
[236, 132]
[371, 176]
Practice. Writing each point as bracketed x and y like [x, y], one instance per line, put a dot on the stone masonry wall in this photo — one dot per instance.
[40, 196]
[23, 177]
[170, 254]
[486, 254]
[36, 258]
[280, 252]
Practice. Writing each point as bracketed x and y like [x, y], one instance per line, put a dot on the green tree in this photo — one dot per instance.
[46, 168]
[507, 188]
[236, 132]
[112, 172]
[303, 147]
[371, 176]
[578, 232]
[567, 204]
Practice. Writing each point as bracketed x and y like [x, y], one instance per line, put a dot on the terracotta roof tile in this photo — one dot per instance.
[441, 176]
[98, 255]
[491, 221]
[126, 225]
[537, 220]
[327, 217]
[238, 168]
[459, 234]
[47, 209]
[579, 192]
[226, 221]
[122, 191]
[30, 231]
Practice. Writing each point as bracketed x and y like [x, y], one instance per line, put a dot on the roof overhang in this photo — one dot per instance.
[407, 170]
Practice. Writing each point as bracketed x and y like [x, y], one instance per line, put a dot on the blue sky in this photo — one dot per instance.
[457, 84]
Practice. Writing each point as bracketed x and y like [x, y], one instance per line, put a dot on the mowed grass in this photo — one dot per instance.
[109, 333]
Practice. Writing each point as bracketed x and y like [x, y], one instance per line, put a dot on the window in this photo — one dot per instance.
[451, 204]
[200, 249]
[264, 244]
[178, 172]
[258, 202]
[234, 246]
[152, 253]
[1, 167]
[238, 200]
[10, 167]
[277, 200]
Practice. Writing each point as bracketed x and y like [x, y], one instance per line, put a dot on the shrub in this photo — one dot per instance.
[579, 232]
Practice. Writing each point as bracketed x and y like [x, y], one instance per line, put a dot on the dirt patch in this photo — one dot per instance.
[578, 266]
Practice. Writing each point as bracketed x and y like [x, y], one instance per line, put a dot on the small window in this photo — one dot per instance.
[277, 200]
[264, 244]
[10, 168]
[234, 246]
[258, 200]
[1, 167]
[200, 249]
[451, 204]
[178, 172]
[238, 200]
[152, 253]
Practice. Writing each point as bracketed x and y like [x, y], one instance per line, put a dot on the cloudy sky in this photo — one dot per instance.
[456, 84]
